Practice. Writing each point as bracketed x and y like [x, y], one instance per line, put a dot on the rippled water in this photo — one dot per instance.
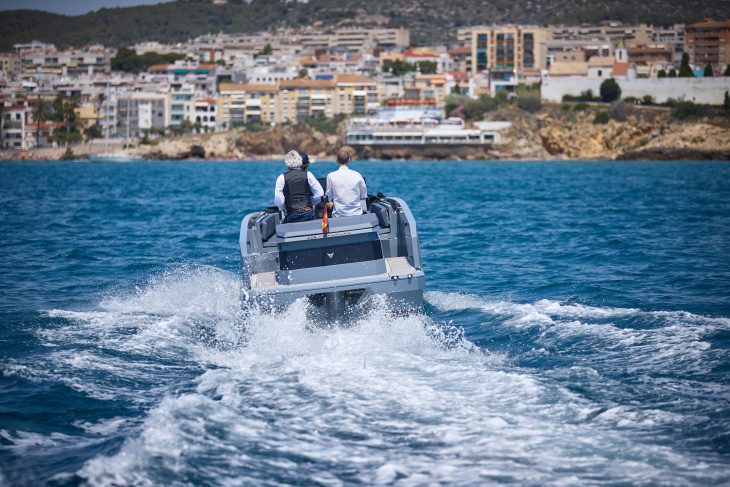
[576, 332]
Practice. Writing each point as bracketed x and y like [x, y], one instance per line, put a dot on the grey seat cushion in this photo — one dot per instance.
[268, 226]
[314, 227]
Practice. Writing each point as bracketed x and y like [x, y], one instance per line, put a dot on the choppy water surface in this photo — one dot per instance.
[576, 332]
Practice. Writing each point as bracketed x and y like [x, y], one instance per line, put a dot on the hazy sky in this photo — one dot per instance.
[70, 7]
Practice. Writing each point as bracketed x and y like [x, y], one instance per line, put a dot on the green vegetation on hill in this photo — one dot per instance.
[128, 60]
[428, 20]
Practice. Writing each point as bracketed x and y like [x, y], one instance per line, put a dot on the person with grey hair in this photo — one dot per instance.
[297, 190]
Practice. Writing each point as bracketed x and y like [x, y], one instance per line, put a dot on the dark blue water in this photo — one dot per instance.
[576, 332]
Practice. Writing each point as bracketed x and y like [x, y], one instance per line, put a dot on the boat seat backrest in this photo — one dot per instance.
[380, 210]
[268, 226]
[367, 221]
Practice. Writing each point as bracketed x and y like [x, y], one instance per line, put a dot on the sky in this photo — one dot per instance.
[71, 7]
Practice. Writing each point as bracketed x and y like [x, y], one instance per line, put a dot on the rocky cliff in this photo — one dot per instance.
[555, 132]
[242, 144]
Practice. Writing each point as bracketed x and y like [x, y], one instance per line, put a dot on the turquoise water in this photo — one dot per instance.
[576, 332]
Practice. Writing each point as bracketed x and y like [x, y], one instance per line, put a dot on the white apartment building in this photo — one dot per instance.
[141, 112]
[180, 99]
[206, 113]
[13, 134]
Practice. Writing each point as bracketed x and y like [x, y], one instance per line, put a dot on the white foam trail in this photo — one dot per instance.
[410, 401]
[675, 341]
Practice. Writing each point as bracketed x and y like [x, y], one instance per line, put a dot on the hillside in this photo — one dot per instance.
[428, 20]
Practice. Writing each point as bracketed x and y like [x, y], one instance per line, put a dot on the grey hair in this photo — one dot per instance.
[293, 160]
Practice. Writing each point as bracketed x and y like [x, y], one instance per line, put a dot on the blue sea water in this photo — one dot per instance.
[576, 332]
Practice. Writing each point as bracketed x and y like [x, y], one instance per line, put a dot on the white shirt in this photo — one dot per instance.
[346, 188]
[314, 185]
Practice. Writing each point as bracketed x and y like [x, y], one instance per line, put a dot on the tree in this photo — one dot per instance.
[620, 111]
[40, 114]
[661, 74]
[709, 72]
[727, 70]
[126, 59]
[457, 90]
[2, 122]
[69, 117]
[99, 102]
[427, 67]
[397, 67]
[266, 51]
[610, 90]
[529, 102]
[726, 103]
[672, 73]
[685, 71]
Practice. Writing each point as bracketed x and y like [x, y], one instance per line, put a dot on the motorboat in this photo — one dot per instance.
[373, 259]
[116, 157]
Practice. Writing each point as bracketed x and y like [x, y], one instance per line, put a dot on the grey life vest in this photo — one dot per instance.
[297, 193]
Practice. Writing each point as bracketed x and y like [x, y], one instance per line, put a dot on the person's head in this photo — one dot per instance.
[343, 157]
[293, 160]
[305, 160]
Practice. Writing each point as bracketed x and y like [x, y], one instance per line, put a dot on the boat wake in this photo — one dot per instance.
[204, 391]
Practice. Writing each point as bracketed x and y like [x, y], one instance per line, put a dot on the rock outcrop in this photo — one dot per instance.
[222, 145]
[647, 133]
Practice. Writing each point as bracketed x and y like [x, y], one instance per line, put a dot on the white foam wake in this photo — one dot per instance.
[240, 397]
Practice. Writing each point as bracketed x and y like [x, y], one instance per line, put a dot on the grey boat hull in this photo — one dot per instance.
[372, 260]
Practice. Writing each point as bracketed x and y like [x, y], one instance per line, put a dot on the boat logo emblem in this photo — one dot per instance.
[330, 255]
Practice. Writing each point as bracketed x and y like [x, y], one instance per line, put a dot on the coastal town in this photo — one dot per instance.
[364, 87]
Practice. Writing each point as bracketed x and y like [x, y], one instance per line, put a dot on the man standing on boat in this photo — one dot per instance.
[297, 190]
[345, 188]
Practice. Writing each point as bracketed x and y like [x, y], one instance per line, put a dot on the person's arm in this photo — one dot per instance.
[363, 188]
[330, 197]
[279, 192]
[317, 192]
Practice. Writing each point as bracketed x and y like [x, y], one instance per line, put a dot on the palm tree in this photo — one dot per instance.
[99, 102]
[2, 123]
[69, 115]
[40, 115]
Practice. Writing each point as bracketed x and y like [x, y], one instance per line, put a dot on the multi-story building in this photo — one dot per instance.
[509, 47]
[88, 61]
[353, 39]
[631, 34]
[569, 50]
[464, 34]
[708, 42]
[462, 57]
[10, 64]
[240, 104]
[141, 112]
[13, 135]
[671, 38]
[206, 113]
[180, 101]
[645, 55]
[202, 76]
[296, 100]
[300, 99]
[427, 87]
[357, 94]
